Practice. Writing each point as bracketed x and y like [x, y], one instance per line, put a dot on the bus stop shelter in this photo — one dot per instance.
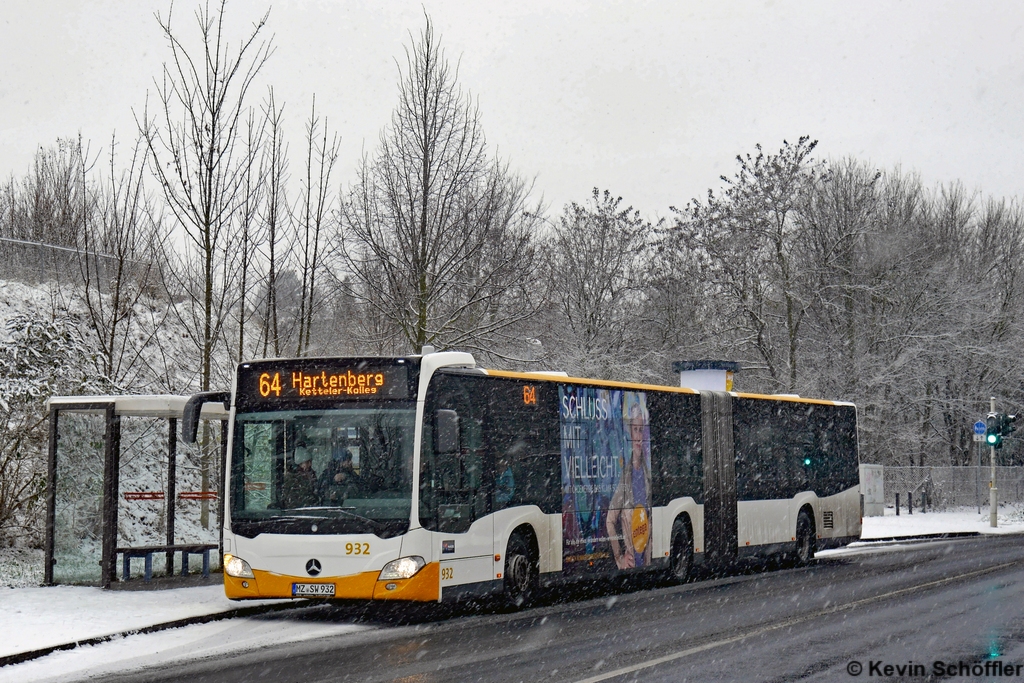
[121, 483]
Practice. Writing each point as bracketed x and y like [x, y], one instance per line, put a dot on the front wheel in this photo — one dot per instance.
[681, 558]
[805, 541]
[522, 577]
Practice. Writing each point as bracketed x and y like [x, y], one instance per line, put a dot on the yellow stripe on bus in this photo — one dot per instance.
[540, 376]
[547, 377]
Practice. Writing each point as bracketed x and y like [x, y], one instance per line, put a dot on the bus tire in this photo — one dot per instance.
[521, 578]
[805, 541]
[680, 562]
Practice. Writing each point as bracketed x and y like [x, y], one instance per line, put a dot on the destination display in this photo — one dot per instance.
[327, 380]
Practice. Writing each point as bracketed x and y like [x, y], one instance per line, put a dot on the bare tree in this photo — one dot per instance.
[275, 219]
[194, 147]
[51, 203]
[115, 257]
[839, 218]
[750, 241]
[200, 160]
[678, 319]
[597, 269]
[321, 155]
[436, 234]
[250, 234]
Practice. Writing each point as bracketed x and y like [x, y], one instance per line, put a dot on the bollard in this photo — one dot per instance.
[910, 502]
[897, 505]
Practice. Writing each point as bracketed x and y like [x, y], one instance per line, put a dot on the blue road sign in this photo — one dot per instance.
[979, 427]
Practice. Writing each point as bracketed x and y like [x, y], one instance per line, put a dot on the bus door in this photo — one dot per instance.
[460, 499]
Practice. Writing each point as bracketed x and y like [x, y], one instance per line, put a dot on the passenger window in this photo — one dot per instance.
[677, 465]
[524, 445]
[508, 451]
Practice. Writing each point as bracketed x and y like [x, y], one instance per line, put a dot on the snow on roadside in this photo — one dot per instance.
[1010, 518]
[189, 643]
[36, 618]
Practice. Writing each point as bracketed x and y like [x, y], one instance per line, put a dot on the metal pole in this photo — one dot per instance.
[977, 480]
[222, 492]
[992, 482]
[172, 487]
[112, 446]
[51, 500]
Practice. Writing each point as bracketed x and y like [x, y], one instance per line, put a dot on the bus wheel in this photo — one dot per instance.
[804, 538]
[681, 558]
[521, 574]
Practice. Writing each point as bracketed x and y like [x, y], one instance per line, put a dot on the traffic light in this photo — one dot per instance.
[994, 430]
[998, 425]
[1006, 424]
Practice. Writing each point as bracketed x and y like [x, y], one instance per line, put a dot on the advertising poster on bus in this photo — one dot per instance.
[606, 479]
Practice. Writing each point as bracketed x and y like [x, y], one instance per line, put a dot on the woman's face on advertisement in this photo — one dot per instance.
[636, 435]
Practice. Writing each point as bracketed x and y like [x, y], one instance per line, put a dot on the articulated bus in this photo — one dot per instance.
[426, 478]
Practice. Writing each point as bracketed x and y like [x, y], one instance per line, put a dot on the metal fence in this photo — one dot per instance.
[34, 263]
[952, 487]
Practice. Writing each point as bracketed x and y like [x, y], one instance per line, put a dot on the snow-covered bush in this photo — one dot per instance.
[38, 358]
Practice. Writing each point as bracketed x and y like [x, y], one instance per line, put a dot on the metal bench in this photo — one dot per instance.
[148, 551]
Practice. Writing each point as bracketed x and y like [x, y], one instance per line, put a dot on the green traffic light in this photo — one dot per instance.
[992, 439]
[807, 461]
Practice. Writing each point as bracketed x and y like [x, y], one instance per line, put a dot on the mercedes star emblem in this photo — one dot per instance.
[313, 567]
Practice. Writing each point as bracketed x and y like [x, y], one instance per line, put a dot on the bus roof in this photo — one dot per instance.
[555, 377]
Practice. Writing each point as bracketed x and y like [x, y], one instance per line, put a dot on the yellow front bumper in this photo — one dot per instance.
[425, 586]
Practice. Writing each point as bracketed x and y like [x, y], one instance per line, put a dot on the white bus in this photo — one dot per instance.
[426, 478]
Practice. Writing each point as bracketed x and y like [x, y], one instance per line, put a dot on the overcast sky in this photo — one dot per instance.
[649, 100]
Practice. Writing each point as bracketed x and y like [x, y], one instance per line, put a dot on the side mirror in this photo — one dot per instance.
[446, 431]
[194, 406]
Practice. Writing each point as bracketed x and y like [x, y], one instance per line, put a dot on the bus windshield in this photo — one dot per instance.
[327, 471]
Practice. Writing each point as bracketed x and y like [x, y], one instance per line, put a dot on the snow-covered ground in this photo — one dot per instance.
[1011, 520]
[200, 641]
[40, 617]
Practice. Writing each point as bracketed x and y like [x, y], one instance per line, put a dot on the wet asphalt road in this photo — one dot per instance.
[949, 601]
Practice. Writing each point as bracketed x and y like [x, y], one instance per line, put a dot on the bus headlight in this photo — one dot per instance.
[402, 568]
[237, 567]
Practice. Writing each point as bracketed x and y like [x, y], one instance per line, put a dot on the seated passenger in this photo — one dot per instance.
[299, 486]
[339, 480]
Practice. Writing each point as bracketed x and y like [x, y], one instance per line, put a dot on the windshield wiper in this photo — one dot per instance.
[374, 524]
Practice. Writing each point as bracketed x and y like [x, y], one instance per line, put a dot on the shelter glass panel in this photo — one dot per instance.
[142, 491]
[197, 477]
[78, 513]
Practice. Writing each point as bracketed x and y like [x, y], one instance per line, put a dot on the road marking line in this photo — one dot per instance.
[787, 623]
